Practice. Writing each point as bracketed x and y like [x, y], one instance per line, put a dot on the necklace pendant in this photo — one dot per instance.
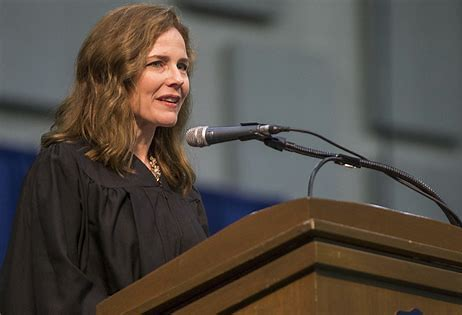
[155, 168]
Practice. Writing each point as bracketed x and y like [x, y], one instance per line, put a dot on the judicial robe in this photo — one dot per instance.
[82, 232]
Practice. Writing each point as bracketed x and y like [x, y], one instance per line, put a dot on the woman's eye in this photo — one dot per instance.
[155, 64]
[182, 66]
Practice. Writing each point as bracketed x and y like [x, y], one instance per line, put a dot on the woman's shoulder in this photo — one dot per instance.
[64, 149]
[62, 154]
[59, 153]
[71, 155]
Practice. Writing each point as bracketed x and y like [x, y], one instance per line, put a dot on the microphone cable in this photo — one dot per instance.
[327, 140]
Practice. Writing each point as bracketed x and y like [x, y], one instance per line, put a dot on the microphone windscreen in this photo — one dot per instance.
[195, 137]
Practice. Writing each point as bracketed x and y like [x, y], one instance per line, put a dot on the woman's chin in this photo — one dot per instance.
[167, 123]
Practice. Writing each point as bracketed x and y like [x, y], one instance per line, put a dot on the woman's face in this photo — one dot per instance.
[163, 84]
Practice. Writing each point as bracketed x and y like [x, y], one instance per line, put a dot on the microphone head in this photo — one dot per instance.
[195, 137]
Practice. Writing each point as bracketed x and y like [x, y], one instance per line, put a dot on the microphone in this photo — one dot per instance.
[204, 135]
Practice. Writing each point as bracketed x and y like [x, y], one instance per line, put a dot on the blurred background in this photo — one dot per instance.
[381, 77]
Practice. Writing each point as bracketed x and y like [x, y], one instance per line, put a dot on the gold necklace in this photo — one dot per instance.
[154, 167]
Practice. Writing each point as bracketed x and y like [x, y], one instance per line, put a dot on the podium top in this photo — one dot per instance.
[286, 226]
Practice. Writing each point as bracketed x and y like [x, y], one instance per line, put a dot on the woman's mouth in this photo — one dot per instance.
[170, 99]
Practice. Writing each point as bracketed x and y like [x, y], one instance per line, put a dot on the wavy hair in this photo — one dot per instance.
[97, 109]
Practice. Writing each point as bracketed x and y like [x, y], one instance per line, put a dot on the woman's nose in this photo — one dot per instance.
[175, 77]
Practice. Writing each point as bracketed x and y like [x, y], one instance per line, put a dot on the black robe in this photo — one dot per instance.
[82, 232]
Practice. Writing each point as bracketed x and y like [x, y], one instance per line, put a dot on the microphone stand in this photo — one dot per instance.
[280, 144]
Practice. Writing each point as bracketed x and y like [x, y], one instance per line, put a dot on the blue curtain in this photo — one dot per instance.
[224, 208]
[14, 165]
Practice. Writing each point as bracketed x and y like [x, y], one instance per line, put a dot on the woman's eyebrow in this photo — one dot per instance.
[158, 57]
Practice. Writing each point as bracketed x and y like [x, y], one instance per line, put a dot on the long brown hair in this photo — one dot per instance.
[97, 109]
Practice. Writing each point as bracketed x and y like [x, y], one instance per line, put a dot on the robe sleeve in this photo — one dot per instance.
[43, 270]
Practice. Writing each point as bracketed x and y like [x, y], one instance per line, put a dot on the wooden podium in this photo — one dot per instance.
[309, 256]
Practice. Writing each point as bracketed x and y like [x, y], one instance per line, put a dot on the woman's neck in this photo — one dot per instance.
[142, 145]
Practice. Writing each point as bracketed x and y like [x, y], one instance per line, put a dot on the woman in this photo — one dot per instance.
[110, 197]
